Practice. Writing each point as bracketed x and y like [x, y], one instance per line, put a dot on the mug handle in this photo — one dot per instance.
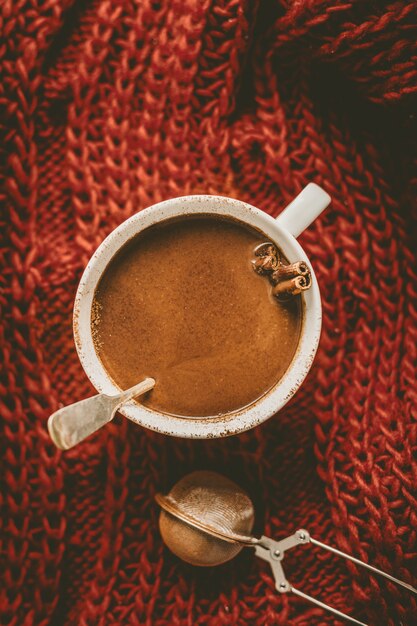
[304, 209]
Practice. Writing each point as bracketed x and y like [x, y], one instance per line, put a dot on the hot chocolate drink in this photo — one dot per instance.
[180, 302]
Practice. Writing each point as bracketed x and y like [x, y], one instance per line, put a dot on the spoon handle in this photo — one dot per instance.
[71, 424]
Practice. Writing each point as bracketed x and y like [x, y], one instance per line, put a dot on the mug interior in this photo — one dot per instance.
[210, 426]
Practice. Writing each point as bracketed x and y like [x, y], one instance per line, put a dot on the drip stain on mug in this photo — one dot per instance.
[180, 302]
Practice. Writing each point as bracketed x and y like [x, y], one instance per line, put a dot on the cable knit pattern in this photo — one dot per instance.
[110, 105]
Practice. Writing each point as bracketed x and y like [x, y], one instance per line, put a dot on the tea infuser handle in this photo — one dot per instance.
[304, 209]
[71, 424]
[326, 607]
[371, 568]
[274, 552]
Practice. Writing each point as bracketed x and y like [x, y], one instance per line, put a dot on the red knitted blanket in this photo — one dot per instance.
[110, 105]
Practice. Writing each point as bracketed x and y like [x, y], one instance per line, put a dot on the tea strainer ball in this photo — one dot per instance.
[206, 519]
[213, 503]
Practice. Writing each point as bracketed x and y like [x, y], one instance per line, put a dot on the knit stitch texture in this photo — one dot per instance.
[108, 106]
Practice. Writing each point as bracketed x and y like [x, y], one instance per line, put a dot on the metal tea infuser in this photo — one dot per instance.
[207, 519]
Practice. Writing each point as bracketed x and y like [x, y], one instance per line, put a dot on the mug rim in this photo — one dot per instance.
[208, 426]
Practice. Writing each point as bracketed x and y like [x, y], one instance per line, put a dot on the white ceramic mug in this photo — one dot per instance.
[283, 231]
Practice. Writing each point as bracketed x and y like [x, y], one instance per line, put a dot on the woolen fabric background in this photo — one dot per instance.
[109, 106]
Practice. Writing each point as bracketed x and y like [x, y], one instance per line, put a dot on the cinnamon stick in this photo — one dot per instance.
[267, 258]
[286, 279]
[292, 270]
[291, 287]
